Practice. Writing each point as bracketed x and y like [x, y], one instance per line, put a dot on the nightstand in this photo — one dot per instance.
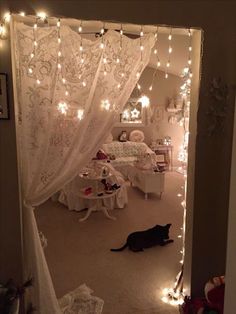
[164, 155]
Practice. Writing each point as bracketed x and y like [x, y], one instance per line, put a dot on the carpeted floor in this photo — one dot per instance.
[129, 283]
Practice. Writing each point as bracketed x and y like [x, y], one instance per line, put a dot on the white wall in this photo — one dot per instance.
[162, 90]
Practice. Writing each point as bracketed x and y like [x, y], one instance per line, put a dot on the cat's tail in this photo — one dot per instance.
[120, 249]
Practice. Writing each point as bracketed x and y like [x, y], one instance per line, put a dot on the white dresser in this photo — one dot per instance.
[147, 181]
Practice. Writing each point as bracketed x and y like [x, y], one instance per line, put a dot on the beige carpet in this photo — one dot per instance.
[129, 283]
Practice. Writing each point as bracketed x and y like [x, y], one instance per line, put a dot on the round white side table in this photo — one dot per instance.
[98, 199]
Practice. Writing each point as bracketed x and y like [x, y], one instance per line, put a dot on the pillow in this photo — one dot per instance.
[136, 136]
[109, 139]
[101, 155]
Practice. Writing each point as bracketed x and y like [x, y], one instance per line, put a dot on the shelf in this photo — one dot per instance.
[173, 110]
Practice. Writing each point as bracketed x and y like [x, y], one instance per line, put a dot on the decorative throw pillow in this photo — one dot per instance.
[101, 155]
[136, 136]
[109, 139]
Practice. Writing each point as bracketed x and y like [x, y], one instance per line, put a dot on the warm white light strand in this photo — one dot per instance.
[33, 53]
[169, 54]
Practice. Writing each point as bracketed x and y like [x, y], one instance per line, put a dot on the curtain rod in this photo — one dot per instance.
[129, 28]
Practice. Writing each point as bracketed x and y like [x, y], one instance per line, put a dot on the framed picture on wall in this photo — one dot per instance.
[132, 114]
[4, 107]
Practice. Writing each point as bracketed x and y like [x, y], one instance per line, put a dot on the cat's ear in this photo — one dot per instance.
[168, 226]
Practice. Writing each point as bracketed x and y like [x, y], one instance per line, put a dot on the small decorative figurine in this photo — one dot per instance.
[123, 136]
[105, 171]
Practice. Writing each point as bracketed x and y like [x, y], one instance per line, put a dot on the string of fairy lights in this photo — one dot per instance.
[175, 295]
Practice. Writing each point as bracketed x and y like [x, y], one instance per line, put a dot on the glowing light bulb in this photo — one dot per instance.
[168, 64]
[141, 33]
[104, 60]
[150, 88]
[105, 104]
[81, 48]
[169, 37]
[102, 45]
[62, 107]
[84, 83]
[122, 74]
[38, 81]
[121, 32]
[141, 47]
[189, 61]
[190, 48]
[139, 86]
[105, 73]
[186, 70]
[118, 86]
[80, 29]
[30, 70]
[179, 195]
[59, 40]
[3, 31]
[22, 13]
[42, 15]
[59, 66]
[31, 55]
[145, 101]
[158, 63]
[7, 17]
[180, 236]
[189, 81]
[80, 114]
[166, 75]
[35, 43]
[165, 290]
[155, 51]
[165, 299]
[117, 60]
[102, 31]
[58, 23]
[59, 53]
[66, 93]
[35, 26]
[63, 80]
[170, 50]
[138, 74]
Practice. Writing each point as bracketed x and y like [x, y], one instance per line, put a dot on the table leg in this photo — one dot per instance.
[89, 211]
[105, 212]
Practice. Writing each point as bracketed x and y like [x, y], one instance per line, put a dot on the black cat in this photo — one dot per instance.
[137, 241]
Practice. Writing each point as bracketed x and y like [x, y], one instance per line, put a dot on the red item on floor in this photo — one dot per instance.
[193, 306]
[216, 298]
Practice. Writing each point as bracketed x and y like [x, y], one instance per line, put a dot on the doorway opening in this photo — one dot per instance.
[139, 165]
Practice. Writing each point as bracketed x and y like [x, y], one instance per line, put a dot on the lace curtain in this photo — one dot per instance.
[54, 146]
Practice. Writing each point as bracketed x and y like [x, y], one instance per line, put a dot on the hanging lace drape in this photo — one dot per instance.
[54, 146]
